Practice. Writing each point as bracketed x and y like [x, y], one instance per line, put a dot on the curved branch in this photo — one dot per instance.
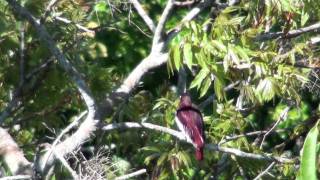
[213, 147]
[12, 155]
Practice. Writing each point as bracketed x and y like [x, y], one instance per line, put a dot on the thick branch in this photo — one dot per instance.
[145, 66]
[180, 136]
[13, 157]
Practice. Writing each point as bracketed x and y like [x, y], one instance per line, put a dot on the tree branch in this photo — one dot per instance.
[131, 175]
[290, 34]
[143, 14]
[58, 139]
[12, 155]
[265, 171]
[283, 116]
[67, 21]
[16, 177]
[180, 136]
[159, 33]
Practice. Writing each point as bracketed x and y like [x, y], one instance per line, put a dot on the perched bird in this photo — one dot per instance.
[190, 122]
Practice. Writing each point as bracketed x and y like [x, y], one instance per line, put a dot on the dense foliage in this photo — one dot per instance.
[252, 67]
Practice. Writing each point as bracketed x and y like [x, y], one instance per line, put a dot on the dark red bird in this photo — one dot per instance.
[190, 122]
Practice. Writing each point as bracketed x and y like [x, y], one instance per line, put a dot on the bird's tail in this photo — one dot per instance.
[199, 153]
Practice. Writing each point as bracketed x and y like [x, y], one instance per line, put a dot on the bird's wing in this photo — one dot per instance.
[192, 122]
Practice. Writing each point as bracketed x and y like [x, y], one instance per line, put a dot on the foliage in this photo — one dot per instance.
[308, 159]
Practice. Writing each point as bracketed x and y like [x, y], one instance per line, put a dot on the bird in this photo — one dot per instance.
[190, 122]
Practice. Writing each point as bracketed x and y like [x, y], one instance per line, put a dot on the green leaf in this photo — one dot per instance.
[267, 88]
[162, 158]
[199, 78]
[205, 87]
[177, 57]
[187, 53]
[219, 45]
[219, 89]
[304, 18]
[101, 6]
[148, 159]
[309, 156]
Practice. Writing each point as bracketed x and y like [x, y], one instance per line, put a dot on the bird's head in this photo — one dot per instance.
[185, 100]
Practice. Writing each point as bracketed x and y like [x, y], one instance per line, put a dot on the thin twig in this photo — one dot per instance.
[255, 133]
[47, 11]
[283, 116]
[265, 171]
[191, 15]
[290, 34]
[67, 21]
[134, 174]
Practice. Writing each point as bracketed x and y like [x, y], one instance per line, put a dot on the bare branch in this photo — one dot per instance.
[66, 165]
[63, 132]
[17, 177]
[22, 58]
[184, 3]
[180, 136]
[236, 152]
[12, 155]
[67, 21]
[196, 10]
[283, 115]
[159, 33]
[265, 171]
[189, 16]
[143, 15]
[150, 62]
[47, 11]
[130, 125]
[314, 40]
[249, 134]
[290, 34]
[134, 174]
